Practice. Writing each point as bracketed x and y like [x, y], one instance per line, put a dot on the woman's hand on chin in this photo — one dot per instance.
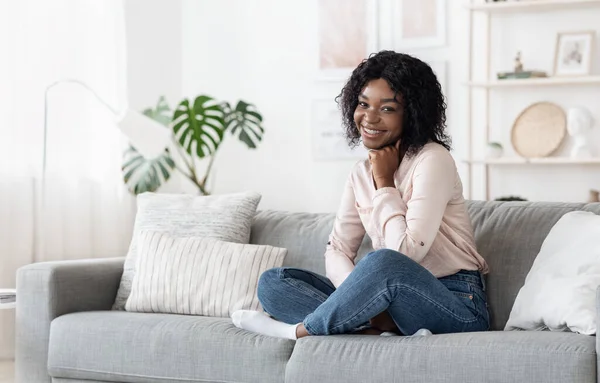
[384, 163]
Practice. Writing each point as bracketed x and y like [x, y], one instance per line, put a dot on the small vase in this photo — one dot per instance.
[494, 151]
[594, 196]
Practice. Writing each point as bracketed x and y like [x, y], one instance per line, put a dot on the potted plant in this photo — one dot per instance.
[198, 130]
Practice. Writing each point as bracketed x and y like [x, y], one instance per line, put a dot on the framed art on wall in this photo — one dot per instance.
[347, 33]
[573, 55]
[418, 24]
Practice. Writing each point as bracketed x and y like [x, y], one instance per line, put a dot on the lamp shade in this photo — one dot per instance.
[149, 137]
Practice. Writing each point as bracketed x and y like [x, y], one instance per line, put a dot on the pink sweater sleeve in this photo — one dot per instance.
[411, 227]
[345, 238]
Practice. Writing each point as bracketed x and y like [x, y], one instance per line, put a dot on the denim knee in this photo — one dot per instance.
[268, 282]
[386, 259]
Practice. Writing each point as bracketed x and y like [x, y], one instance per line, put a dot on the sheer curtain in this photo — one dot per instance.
[87, 211]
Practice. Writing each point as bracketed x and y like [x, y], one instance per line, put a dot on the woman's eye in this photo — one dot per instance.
[362, 104]
[388, 109]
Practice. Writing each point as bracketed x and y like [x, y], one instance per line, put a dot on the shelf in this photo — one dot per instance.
[544, 81]
[530, 5]
[536, 161]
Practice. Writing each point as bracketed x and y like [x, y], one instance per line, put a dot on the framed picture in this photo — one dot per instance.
[347, 33]
[418, 24]
[574, 51]
[328, 139]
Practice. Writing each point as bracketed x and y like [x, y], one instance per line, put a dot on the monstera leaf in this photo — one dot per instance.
[148, 174]
[244, 122]
[162, 113]
[199, 128]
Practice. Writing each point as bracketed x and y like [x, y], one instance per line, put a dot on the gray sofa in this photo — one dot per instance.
[66, 332]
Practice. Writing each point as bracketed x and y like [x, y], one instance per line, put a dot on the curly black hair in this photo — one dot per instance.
[424, 102]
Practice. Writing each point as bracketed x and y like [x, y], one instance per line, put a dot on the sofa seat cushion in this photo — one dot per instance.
[469, 357]
[121, 346]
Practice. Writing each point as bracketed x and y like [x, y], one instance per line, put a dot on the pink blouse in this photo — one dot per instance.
[424, 217]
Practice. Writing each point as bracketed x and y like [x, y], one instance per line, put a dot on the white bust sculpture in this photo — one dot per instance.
[579, 126]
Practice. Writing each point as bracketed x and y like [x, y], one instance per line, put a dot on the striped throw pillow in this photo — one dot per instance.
[198, 275]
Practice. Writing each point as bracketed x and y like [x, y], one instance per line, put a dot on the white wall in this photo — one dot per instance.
[154, 57]
[262, 52]
[265, 51]
[154, 48]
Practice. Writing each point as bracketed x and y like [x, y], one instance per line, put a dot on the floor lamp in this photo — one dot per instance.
[149, 138]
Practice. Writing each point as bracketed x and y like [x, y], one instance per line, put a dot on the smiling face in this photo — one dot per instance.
[379, 115]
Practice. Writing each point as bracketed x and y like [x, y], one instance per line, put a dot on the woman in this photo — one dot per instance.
[407, 196]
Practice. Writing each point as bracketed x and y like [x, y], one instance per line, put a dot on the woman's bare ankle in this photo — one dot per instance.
[301, 331]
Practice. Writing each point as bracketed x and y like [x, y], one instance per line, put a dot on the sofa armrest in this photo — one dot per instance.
[50, 289]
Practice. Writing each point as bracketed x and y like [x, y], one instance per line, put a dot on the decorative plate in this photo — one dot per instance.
[539, 130]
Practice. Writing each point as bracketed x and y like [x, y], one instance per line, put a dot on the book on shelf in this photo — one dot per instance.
[6, 300]
[8, 296]
[520, 75]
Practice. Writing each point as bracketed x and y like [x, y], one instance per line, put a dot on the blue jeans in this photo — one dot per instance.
[383, 280]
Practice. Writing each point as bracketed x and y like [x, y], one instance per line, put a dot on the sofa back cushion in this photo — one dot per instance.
[305, 236]
[508, 235]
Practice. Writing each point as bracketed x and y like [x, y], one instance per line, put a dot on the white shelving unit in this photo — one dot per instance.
[489, 9]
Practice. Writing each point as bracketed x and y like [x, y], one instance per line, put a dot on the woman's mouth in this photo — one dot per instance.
[372, 132]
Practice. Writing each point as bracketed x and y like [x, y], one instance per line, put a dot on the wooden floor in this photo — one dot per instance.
[7, 372]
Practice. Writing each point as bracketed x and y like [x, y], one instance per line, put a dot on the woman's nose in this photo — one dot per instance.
[371, 116]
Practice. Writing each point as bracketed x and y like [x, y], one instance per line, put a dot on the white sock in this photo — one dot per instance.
[261, 323]
[422, 332]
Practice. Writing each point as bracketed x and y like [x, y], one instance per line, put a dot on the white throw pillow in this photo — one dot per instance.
[198, 276]
[226, 217]
[560, 290]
